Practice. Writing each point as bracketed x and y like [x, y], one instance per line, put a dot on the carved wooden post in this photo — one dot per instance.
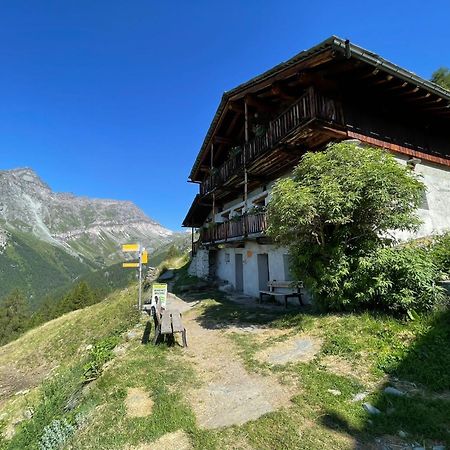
[245, 165]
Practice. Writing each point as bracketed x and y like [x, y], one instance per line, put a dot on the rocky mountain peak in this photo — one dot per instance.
[92, 228]
[24, 176]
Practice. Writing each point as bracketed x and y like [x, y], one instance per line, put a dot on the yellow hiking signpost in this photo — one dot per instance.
[143, 259]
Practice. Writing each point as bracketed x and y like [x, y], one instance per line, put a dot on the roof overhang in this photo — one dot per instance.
[197, 213]
[324, 52]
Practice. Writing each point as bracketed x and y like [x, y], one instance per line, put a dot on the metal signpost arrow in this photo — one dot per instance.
[143, 259]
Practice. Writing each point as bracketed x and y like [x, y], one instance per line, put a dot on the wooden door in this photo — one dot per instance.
[239, 268]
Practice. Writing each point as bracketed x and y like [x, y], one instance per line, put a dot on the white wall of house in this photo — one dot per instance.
[226, 268]
[435, 209]
[434, 212]
[199, 266]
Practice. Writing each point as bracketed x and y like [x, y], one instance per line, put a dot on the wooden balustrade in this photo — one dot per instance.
[242, 226]
[309, 106]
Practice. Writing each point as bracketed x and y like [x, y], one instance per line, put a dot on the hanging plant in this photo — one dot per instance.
[258, 129]
[234, 151]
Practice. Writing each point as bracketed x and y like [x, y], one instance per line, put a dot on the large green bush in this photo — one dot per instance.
[440, 253]
[339, 207]
[398, 279]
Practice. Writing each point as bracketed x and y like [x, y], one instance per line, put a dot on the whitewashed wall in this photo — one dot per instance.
[435, 213]
[199, 266]
[226, 271]
[435, 210]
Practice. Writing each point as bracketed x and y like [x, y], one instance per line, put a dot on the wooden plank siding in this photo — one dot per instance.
[311, 105]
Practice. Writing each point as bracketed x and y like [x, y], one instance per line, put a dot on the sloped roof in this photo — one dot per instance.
[333, 43]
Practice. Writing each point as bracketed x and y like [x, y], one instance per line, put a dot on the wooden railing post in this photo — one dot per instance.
[309, 106]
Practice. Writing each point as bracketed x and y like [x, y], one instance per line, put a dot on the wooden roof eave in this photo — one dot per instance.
[314, 57]
[197, 213]
[317, 55]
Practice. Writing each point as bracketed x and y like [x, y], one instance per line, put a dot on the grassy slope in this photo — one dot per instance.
[181, 241]
[370, 349]
[366, 353]
[37, 267]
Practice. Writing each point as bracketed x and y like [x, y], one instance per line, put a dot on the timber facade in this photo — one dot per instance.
[332, 92]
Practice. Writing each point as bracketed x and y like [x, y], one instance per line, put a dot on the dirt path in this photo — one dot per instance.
[229, 395]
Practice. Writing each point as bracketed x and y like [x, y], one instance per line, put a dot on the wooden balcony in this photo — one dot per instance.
[311, 105]
[244, 226]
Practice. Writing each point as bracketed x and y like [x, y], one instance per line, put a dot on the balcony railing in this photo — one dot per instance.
[243, 226]
[310, 105]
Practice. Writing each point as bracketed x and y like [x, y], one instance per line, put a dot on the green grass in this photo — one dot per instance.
[374, 349]
[377, 351]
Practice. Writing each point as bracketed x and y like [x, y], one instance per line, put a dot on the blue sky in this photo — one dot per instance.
[113, 98]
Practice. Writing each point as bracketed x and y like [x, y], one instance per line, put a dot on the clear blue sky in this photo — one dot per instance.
[113, 98]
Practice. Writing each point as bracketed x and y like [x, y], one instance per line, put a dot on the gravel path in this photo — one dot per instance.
[229, 395]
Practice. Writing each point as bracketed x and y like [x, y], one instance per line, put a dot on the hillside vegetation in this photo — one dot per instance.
[76, 374]
[37, 267]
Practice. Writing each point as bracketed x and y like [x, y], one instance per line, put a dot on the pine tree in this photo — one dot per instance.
[14, 316]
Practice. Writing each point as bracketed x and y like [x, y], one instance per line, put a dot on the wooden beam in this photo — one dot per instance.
[279, 90]
[259, 178]
[255, 102]
[399, 86]
[370, 74]
[222, 140]
[234, 106]
[442, 108]
[409, 92]
[383, 80]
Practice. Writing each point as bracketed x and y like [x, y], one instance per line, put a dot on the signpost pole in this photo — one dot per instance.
[140, 280]
[143, 259]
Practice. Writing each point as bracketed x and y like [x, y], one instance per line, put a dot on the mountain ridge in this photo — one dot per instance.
[49, 239]
[91, 228]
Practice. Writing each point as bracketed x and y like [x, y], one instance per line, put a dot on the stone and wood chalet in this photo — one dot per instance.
[332, 92]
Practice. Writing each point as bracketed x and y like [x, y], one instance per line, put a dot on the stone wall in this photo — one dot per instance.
[199, 266]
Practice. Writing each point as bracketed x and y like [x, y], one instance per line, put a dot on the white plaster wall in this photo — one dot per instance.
[226, 267]
[435, 211]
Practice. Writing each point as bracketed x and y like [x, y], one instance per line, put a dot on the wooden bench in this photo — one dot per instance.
[168, 323]
[291, 289]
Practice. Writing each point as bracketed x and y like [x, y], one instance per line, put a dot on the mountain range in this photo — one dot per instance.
[48, 238]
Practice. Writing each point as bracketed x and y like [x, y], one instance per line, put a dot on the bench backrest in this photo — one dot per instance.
[177, 324]
[166, 323]
[284, 284]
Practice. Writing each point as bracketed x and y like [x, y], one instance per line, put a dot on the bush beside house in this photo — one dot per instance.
[337, 215]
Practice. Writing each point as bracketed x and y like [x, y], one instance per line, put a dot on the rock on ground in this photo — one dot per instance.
[297, 349]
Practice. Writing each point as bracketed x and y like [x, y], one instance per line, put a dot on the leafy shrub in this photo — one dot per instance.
[56, 434]
[440, 252]
[100, 354]
[398, 279]
[339, 207]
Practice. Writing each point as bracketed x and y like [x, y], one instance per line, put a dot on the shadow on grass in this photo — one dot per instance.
[246, 312]
[422, 373]
[147, 332]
